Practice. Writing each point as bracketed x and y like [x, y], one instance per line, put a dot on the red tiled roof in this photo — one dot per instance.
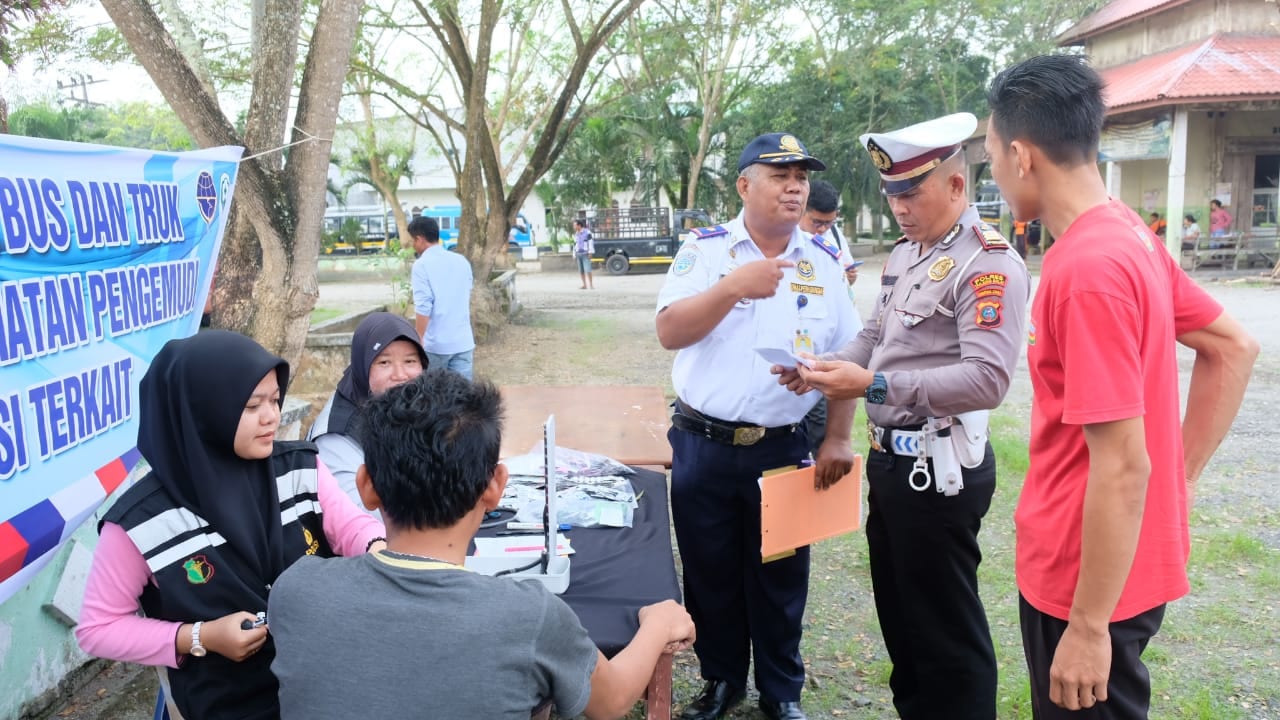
[1219, 68]
[1114, 14]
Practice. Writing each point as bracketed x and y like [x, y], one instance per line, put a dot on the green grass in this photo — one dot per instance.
[1216, 656]
[319, 315]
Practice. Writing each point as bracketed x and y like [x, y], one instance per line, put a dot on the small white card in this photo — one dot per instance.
[785, 358]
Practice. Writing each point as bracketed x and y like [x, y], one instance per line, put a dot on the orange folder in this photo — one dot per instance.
[794, 514]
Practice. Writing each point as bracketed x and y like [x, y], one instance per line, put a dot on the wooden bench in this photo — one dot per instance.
[1258, 247]
[1208, 250]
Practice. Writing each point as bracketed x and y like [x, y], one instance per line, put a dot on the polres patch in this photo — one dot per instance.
[990, 284]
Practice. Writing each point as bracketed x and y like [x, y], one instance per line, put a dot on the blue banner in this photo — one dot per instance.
[105, 255]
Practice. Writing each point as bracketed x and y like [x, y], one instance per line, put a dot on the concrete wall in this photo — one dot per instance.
[1173, 28]
[37, 649]
[1205, 140]
[1140, 176]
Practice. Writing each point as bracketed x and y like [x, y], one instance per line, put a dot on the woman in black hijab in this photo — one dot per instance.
[197, 543]
[385, 352]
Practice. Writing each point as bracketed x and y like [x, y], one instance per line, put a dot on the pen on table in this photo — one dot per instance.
[524, 533]
[536, 527]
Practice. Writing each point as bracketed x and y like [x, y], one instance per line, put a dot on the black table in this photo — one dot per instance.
[616, 571]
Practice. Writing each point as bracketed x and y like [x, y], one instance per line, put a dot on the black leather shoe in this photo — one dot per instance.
[717, 698]
[782, 710]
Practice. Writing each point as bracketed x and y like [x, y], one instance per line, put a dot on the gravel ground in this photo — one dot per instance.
[565, 335]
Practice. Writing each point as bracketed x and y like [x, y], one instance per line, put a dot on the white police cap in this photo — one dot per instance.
[906, 157]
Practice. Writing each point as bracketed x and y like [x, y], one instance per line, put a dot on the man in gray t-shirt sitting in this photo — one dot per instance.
[407, 631]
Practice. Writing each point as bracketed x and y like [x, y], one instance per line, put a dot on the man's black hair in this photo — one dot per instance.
[431, 446]
[823, 196]
[1052, 101]
[425, 227]
[1190, 217]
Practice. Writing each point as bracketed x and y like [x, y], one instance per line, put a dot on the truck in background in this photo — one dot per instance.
[626, 236]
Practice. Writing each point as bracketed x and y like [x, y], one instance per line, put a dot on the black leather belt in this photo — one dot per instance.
[723, 431]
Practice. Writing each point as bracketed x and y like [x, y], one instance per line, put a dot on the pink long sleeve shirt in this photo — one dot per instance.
[110, 626]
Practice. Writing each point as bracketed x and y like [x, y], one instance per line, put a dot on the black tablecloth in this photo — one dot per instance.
[616, 571]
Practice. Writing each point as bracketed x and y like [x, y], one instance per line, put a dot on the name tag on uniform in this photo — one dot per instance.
[807, 289]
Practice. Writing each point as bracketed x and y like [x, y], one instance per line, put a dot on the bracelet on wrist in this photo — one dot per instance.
[372, 541]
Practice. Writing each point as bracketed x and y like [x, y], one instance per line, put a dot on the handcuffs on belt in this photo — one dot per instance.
[953, 442]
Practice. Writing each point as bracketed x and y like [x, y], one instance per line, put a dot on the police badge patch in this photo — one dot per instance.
[989, 314]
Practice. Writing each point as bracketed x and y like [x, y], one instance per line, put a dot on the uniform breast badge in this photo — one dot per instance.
[909, 320]
[804, 270]
[940, 269]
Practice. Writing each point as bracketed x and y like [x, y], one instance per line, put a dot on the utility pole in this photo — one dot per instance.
[83, 82]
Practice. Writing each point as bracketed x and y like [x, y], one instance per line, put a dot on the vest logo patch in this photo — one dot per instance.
[199, 570]
[313, 547]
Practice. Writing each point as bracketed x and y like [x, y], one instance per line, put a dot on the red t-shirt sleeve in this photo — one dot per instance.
[1193, 308]
[1093, 325]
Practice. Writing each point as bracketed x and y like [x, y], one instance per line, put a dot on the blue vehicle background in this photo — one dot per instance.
[447, 217]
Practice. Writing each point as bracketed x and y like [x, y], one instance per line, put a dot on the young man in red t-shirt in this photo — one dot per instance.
[1102, 520]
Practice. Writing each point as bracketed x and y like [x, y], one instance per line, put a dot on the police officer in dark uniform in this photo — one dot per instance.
[936, 356]
[757, 281]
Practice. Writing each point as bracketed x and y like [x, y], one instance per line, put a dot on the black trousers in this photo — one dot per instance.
[741, 607]
[924, 571]
[1128, 685]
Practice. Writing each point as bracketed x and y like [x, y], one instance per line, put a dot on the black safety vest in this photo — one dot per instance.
[198, 576]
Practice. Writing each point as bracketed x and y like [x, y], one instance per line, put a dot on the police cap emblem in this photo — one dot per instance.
[879, 156]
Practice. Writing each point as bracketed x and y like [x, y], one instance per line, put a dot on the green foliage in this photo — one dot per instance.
[853, 66]
[27, 25]
[401, 282]
[134, 124]
[346, 239]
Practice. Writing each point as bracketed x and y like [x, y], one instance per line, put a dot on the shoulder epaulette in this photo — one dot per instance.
[900, 240]
[990, 237]
[709, 232]
[829, 246]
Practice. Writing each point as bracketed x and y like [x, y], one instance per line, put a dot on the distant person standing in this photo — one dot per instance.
[441, 284]
[1219, 219]
[820, 217]
[584, 246]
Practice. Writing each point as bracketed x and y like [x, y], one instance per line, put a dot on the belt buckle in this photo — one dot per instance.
[747, 435]
[874, 436]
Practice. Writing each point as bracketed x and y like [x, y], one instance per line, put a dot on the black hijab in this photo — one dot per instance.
[192, 397]
[372, 336]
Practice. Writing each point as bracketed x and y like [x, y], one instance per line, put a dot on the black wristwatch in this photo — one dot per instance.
[877, 390]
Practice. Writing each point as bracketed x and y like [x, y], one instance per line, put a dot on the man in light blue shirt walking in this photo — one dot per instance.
[441, 284]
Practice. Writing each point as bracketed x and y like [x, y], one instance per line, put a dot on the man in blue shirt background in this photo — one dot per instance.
[441, 284]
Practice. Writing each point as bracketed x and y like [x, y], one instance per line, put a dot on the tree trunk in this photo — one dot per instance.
[266, 285]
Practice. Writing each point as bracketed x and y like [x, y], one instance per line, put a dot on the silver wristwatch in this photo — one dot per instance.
[197, 650]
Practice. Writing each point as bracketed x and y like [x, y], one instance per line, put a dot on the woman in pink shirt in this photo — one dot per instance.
[1219, 219]
[188, 554]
